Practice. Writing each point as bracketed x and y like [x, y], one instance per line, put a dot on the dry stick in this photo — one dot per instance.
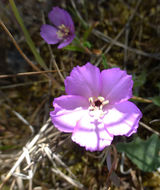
[110, 46]
[19, 116]
[22, 84]
[140, 99]
[27, 74]
[53, 157]
[119, 35]
[111, 40]
[55, 64]
[119, 44]
[19, 49]
[149, 128]
[19, 180]
[67, 178]
[23, 55]
[113, 164]
[23, 155]
[127, 29]
[52, 56]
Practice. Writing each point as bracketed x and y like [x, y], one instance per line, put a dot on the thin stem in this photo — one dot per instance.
[19, 49]
[27, 74]
[27, 36]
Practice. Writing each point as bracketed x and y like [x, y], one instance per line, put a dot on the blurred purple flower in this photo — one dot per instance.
[95, 108]
[63, 30]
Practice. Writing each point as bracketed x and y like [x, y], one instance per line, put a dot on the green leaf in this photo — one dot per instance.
[87, 33]
[156, 100]
[87, 44]
[73, 48]
[104, 61]
[140, 79]
[27, 35]
[158, 85]
[143, 153]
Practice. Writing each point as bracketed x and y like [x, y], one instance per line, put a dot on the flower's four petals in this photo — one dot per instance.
[84, 81]
[122, 119]
[91, 134]
[49, 34]
[60, 17]
[68, 110]
[116, 85]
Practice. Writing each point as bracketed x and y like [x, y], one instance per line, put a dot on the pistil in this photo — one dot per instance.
[63, 31]
[96, 106]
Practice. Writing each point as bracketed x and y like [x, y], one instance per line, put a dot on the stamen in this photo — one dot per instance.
[96, 106]
[63, 31]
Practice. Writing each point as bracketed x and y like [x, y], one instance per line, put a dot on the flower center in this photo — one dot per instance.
[96, 106]
[63, 31]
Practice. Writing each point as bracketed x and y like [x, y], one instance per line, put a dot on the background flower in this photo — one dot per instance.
[63, 30]
[95, 108]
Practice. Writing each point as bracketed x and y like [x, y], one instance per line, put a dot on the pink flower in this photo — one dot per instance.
[63, 30]
[96, 107]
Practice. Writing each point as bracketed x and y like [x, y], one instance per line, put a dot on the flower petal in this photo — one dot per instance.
[68, 110]
[91, 134]
[70, 102]
[116, 85]
[66, 41]
[84, 81]
[59, 16]
[49, 34]
[122, 119]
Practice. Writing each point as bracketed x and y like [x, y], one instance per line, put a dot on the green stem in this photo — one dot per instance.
[27, 36]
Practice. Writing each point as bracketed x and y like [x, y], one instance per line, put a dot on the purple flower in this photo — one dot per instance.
[95, 108]
[63, 30]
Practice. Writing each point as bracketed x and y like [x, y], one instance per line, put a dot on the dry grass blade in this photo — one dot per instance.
[23, 155]
[149, 128]
[26, 74]
[119, 44]
[18, 48]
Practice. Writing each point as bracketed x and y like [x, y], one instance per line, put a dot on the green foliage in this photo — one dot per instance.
[7, 147]
[27, 36]
[74, 48]
[140, 79]
[87, 33]
[143, 153]
[87, 44]
[156, 100]
[104, 61]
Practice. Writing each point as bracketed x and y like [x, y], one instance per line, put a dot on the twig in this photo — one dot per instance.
[111, 168]
[22, 84]
[19, 49]
[55, 64]
[23, 155]
[140, 99]
[52, 56]
[19, 180]
[119, 44]
[125, 28]
[122, 165]
[149, 128]
[23, 55]
[78, 14]
[20, 117]
[67, 178]
[27, 74]
[110, 46]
